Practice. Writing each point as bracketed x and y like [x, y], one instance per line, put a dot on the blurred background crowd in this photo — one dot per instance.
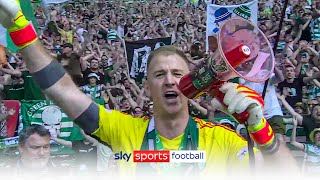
[89, 39]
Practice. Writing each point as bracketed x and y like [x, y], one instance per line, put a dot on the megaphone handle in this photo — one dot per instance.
[241, 118]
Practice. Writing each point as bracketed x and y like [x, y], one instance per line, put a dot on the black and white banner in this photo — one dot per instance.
[138, 53]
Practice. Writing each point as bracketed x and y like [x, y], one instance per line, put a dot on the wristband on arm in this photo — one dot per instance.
[22, 33]
[24, 37]
[263, 135]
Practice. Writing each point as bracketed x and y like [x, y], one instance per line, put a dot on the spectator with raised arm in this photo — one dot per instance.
[93, 68]
[293, 85]
[308, 122]
[312, 149]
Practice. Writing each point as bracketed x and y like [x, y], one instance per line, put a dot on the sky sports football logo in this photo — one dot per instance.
[163, 156]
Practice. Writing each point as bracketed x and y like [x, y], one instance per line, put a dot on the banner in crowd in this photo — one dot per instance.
[46, 3]
[9, 142]
[138, 53]
[51, 116]
[29, 14]
[217, 14]
[54, 1]
[12, 121]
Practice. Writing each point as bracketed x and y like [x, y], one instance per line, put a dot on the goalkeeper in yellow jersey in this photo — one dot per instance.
[170, 128]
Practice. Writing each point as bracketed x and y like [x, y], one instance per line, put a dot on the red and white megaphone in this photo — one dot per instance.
[243, 51]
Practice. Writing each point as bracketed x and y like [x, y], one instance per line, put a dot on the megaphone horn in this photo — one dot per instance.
[243, 51]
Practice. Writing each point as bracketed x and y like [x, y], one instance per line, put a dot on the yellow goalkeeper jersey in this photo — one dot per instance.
[225, 150]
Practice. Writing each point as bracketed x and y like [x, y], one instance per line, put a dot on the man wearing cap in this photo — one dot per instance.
[312, 150]
[227, 123]
[92, 89]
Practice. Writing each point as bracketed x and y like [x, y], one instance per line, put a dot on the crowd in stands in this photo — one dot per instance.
[88, 39]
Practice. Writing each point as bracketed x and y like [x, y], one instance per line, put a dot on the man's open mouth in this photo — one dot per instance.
[171, 95]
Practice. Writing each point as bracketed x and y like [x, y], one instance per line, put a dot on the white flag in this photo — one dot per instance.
[216, 14]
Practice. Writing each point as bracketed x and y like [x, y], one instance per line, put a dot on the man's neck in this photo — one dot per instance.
[94, 70]
[290, 80]
[171, 127]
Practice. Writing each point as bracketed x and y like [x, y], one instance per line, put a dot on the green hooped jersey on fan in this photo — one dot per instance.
[46, 113]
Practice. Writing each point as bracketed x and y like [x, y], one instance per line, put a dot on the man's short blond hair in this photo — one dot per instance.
[166, 51]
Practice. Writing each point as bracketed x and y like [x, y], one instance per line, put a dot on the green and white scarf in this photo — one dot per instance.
[152, 141]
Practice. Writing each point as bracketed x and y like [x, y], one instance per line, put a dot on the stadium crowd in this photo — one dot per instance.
[88, 39]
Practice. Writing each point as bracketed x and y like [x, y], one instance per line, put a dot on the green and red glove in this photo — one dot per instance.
[20, 29]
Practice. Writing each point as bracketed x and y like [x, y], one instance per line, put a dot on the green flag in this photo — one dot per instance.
[28, 13]
[46, 113]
